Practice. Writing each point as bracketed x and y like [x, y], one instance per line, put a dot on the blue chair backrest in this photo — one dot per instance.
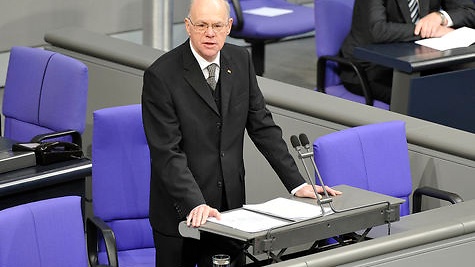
[374, 157]
[332, 25]
[44, 92]
[121, 175]
[43, 233]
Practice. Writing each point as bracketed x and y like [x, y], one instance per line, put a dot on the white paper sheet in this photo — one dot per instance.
[288, 209]
[461, 37]
[268, 11]
[248, 221]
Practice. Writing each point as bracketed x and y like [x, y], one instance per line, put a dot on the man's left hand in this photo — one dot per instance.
[307, 191]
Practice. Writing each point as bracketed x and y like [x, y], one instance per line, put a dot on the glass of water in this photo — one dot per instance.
[221, 260]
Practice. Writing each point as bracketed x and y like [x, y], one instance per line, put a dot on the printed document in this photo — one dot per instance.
[248, 221]
[289, 209]
[461, 37]
[268, 11]
[271, 214]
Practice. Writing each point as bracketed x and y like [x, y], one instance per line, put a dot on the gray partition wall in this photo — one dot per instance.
[440, 156]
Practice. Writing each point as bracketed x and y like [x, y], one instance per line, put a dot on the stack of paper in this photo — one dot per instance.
[462, 37]
[268, 215]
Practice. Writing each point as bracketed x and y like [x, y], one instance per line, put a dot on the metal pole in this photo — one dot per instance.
[158, 24]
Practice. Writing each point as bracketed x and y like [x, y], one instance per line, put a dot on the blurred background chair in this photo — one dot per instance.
[120, 187]
[374, 157]
[45, 94]
[258, 30]
[330, 32]
[43, 233]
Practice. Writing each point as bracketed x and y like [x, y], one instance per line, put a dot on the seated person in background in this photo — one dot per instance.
[390, 21]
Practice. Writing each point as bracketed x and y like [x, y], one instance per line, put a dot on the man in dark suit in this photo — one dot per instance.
[388, 21]
[196, 134]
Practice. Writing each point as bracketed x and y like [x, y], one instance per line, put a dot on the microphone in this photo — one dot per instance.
[296, 143]
[304, 140]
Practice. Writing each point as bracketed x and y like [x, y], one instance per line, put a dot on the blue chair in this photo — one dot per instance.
[258, 30]
[330, 32]
[374, 157]
[45, 96]
[120, 188]
[44, 233]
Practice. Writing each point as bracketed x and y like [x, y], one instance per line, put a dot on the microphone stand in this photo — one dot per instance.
[296, 143]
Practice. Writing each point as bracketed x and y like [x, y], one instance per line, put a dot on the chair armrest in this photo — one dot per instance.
[321, 71]
[94, 226]
[239, 17]
[76, 136]
[432, 192]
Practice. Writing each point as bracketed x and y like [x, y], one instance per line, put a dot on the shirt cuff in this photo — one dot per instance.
[450, 23]
[297, 188]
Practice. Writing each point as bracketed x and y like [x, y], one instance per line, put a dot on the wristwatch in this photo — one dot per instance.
[444, 19]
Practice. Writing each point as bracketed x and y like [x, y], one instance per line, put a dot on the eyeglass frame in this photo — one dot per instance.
[203, 27]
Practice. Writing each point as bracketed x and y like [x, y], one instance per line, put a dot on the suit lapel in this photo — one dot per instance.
[225, 76]
[404, 7]
[423, 8]
[194, 76]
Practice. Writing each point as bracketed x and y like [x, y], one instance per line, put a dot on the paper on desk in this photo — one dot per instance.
[268, 11]
[461, 37]
[248, 221]
[288, 209]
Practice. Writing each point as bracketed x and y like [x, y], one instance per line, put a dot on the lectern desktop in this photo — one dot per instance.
[360, 210]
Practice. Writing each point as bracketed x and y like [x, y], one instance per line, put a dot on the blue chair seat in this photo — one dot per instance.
[341, 92]
[259, 30]
[43, 233]
[45, 92]
[330, 32]
[300, 21]
[120, 187]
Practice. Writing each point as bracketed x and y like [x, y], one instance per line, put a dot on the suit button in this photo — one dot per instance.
[218, 125]
[220, 184]
[222, 154]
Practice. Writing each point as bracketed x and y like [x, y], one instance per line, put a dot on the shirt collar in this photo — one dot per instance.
[203, 62]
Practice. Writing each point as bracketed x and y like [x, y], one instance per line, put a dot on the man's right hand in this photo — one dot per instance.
[200, 214]
[429, 26]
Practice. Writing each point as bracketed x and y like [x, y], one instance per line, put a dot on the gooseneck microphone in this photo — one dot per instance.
[296, 143]
[304, 140]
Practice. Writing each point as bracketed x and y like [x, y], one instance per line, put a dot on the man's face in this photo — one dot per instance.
[208, 26]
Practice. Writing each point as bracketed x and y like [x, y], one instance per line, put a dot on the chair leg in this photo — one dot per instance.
[258, 57]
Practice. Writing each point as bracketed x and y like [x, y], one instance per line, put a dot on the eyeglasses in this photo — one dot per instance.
[203, 27]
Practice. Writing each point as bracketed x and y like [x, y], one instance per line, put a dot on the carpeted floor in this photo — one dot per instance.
[292, 61]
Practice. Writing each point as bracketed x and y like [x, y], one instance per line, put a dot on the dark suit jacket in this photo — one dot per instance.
[388, 21]
[191, 140]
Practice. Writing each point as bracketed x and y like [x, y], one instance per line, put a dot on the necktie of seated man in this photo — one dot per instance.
[211, 78]
[414, 9]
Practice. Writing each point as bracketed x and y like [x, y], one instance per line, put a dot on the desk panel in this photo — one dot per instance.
[356, 209]
[438, 86]
[40, 182]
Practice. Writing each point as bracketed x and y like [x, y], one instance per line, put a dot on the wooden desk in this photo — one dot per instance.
[434, 85]
[299, 233]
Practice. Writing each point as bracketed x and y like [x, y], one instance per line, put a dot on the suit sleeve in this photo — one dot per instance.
[170, 172]
[267, 136]
[384, 21]
[462, 12]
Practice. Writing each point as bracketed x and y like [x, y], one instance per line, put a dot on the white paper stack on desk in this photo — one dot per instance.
[461, 37]
[271, 214]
